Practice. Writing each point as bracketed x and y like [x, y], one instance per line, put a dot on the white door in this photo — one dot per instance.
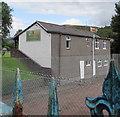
[82, 69]
[94, 68]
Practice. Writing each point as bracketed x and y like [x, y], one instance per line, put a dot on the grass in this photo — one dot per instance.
[8, 67]
[7, 54]
[10, 64]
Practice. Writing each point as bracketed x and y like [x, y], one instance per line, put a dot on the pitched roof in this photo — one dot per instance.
[55, 28]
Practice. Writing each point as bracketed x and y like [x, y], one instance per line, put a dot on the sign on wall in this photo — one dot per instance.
[33, 35]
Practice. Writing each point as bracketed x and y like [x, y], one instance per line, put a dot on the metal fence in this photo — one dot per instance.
[71, 93]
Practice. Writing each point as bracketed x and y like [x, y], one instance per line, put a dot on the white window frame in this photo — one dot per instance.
[68, 40]
[99, 63]
[105, 62]
[96, 44]
[88, 63]
[104, 45]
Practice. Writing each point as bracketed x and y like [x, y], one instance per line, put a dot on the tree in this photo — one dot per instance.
[106, 32]
[6, 19]
[115, 24]
[17, 32]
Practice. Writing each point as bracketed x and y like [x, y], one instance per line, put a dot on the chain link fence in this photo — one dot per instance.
[71, 92]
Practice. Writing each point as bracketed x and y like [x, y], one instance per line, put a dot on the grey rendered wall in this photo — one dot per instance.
[66, 63]
[55, 54]
[70, 59]
[102, 54]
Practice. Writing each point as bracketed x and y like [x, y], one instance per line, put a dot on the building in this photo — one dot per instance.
[68, 52]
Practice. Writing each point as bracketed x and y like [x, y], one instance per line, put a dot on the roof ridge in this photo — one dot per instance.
[66, 27]
[56, 28]
[49, 23]
[60, 25]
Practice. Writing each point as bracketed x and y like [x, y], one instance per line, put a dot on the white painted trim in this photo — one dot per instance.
[104, 43]
[98, 44]
[82, 70]
[93, 49]
[94, 68]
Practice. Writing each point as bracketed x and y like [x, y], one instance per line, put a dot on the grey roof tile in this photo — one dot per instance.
[54, 28]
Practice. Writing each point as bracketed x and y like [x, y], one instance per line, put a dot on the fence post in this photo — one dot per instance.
[53, 109]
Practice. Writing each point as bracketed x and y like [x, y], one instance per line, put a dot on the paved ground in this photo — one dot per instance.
[71, 102]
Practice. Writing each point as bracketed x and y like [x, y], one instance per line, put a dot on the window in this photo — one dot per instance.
[88, 63]
[105, 62]
[99, 63]
[104, 44]
[88, 42]
[96, 44]
[68, 43]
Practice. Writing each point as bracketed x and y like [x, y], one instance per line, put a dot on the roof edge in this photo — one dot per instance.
[36, 22]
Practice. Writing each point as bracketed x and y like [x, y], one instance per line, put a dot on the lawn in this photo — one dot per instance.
[10, 64]
[7, 54]
[8, 67]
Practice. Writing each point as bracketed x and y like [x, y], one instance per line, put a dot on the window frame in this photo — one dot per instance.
[68, 40]
[105, 63]
[99, 62]
[97, 44]
[104, 45]
[88, 63]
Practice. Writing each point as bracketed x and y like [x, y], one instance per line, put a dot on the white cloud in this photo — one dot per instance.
[64, 8]
[17, 24]
[103, 18]
[61, 8]
[100, 13]
[8, 1]
[72, 21]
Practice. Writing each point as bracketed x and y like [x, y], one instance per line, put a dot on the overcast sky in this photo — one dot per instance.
[75, 12]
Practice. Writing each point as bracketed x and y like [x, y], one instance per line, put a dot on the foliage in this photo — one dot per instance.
[6, 19]
[17, 32]
[106, 32]
[115, 24]
[9, 44]
[80, 27]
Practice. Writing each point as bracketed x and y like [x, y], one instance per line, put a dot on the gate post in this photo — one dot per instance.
[17, 96]
[53, 106]
[110, 100]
